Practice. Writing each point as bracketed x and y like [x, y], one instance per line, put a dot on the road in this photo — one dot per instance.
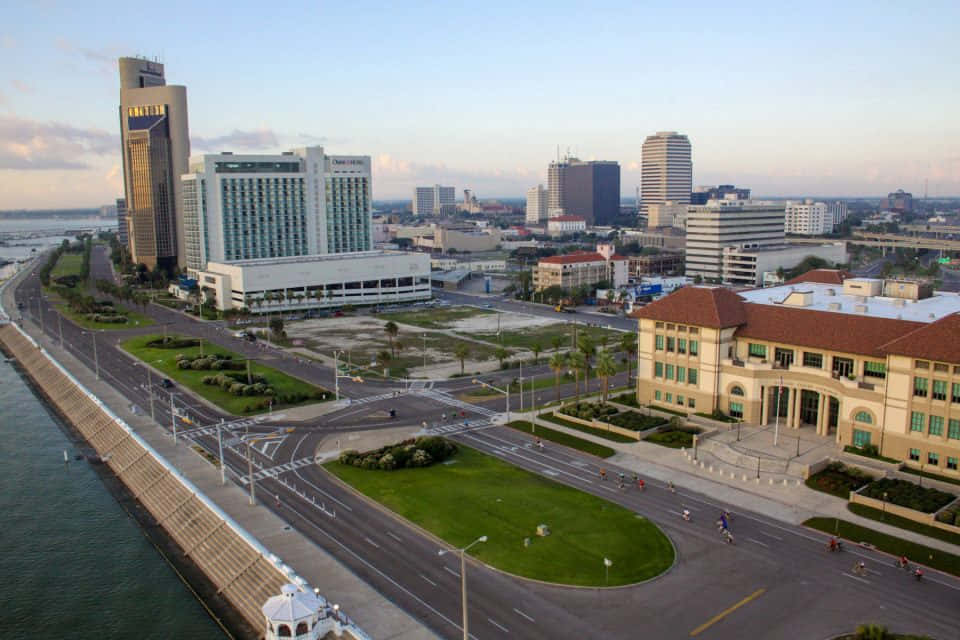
[797, 588]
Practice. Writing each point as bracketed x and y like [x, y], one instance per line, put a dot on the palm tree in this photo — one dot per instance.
[606, 367]
[578, 363]
[558, 362]
[537, 348]
[461, 351]
[558, 341]
[587, 346]
[391, 330]
[501, 354]
[628, 343]
[384, 358]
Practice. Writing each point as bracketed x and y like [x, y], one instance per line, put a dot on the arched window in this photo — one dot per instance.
[302, 628]
[864, 417]
[283, 631]
[736, 391]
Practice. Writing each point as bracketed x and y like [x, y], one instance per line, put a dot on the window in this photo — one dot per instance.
[939, 390]
[659, 325]
[669, 397]
[920, 387]
[942, 368]
[691, 403]
[861, 438]
[915, 455]
[694, 331]
[736, 391]
[694, 346]
[916, 421]
[842, 366]
[681, 345]
[659, 342]
[783, 357]
[811, 359]
[933, 458]
[657, 369]
[656, 395]
[670, 327]
[680, 400]
[953, 429]
[864, 417]
[669, 375]
[955, 392]
[951, 463]
[681, 374]
[875, 369]
[936, 426]
[692, 376]
[670, 343]
[921, 364]
[736, 410]
[758, 350]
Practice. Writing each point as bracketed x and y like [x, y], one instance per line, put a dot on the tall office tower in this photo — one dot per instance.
[434, 201]
[591, 190]
[556, 178]
[729, 223]
[807, 218]
[122, 222]
[156, 146]
[838, 212]
[537, 204]
[667, 169]
[298, 203]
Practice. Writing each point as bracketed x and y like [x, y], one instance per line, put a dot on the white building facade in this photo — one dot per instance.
[666, 169]
[562, 225]
[434, 201]
[838, 213]
[537, 199]
[807, 218]
[753, 267]
[728, 223]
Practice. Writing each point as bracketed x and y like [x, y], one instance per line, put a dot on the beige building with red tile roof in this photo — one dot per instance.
[868, 362]
[581, 268]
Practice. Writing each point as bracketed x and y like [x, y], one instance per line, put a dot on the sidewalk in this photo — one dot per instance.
[787, 499]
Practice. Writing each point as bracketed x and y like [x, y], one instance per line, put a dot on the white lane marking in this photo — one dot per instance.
[856, 578]
[428, 579]
[451, 571]
[394, 536]
[770, 535]
[372, 542]
[509, 447]
[524, 615]
[498, 626]
[762, 544]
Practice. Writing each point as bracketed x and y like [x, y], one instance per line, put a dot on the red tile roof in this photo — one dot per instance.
[828, 330]
[823, 276]
[938, 340]
[571, 258]
[715, 307]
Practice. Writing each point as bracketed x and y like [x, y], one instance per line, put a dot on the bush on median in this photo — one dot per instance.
[409, 454]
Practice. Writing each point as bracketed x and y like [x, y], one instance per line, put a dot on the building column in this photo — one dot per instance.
[821, 418]
[765, 402]
[794, 409]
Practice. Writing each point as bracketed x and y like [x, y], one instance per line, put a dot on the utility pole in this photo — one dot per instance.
[150, 388]
[223, 468]
[173, 419]
[60, 327]
[253, 500]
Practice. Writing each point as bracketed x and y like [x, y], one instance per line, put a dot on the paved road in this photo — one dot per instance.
[807, 592]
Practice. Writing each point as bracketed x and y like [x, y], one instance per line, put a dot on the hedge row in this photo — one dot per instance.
[213, 361]
[173, 343]
[839, 480]
[418, 452]
[907, 494]
[590, 411]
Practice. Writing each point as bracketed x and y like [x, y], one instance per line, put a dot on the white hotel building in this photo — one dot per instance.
[808, 218]
[269, 228]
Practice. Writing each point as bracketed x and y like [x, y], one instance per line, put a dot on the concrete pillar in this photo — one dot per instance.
[821, 418]
[765, 401]
[790, 417]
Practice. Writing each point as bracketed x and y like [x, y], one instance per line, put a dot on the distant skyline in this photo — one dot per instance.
[829, 99]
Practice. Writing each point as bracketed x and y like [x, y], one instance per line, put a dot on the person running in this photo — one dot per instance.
[686, 515]
[540, 444]
[724, 523]
[832, 545]
[641, 484]
[603, 474]
[620, 476]
[860, 568]
[672, 488]
[918, 574]
[903, 563]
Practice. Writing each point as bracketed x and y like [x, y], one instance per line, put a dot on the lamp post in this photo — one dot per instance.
[424, 351]
[337, 375]
[173, 419]
[96, 360]
[223, 468]
[504, 392]
[883, 515]
[463, 580]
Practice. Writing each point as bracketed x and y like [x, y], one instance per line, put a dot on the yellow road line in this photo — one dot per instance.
[723, 614]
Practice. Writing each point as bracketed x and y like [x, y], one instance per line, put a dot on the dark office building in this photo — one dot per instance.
[900, 201]
[720, 192]
[592, 191]
[122, 221]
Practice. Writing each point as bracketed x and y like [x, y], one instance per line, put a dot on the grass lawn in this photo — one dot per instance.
[164, 360]
[474, 494]
[524, 338]
[600, 433]
[436, 318]
[69, 264]
[925, 474]
[672, 438]
[565, 439]
[134, 319]
[904, 523]
[895, 546]
[860, 452]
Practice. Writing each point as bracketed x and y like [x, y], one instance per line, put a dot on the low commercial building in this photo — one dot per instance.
[564, 225]
[808, 218]
[582, 268]
[749, 267]
[661, 238]
[666, 262]
[446, 264]
[330, 280]
[843, 360]
[667, 214]
[460, 240]
[729, 223]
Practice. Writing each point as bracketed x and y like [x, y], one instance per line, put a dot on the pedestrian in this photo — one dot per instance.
[640, 484]
[672, 488]
[444, 417]
[539, 444]
[603, 474]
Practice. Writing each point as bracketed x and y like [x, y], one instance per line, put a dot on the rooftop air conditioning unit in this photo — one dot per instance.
[860, 308]
[831, 292]
[834, 306]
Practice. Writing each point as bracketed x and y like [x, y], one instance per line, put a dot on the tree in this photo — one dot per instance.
[578, 363]
[588, 347]
[558, 362]
[384, 358]
[537, 349]
[391, 330]
[628, 343]
[276, 327]
[606, 367]
[871, 632]
[501, 354]
[461, 351]
[558, 341]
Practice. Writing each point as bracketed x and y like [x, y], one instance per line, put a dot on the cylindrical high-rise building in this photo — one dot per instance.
[667, 171]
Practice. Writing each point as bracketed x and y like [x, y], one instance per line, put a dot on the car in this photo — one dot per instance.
[488, 306]
[166, 383]
[239, 334]
[338, 314]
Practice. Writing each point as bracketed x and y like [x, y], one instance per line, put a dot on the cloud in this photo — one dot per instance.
[34, 145]
[22, 86]
[255, 140]
[104, 58]
[395, 178]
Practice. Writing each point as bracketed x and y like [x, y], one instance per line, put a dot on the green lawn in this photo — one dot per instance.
[525, 338]
[435, 318]
[474, 494]
[134, 319]
[895, 546]
[594, 449]
[673, 438]
[69, 264]
[925, 474]
[904, 523]
[600, 433]
[164, 360]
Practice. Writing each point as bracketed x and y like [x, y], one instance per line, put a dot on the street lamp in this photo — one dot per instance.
[463, 579]
[883, 516]
[504, 392]
[337, 375]
[96, 360]
[173, 419]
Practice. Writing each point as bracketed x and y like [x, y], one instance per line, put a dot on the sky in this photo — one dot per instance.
[819, 98]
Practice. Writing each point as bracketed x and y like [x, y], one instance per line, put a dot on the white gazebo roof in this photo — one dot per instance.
[292, 606]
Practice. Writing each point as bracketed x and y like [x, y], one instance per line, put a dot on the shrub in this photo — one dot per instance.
[421, 458]
[629, 399]
[173, 342]
[907, 494]
[420, 452]
[838, 479]
[589, 410]
[635, 421]
[387, 462]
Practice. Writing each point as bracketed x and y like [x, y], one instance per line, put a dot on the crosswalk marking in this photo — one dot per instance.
[456, 428]
[277, 470]
[447, 399]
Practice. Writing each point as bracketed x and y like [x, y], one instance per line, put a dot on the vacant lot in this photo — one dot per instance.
[435, 318]
[474, 494]
[545, 334]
